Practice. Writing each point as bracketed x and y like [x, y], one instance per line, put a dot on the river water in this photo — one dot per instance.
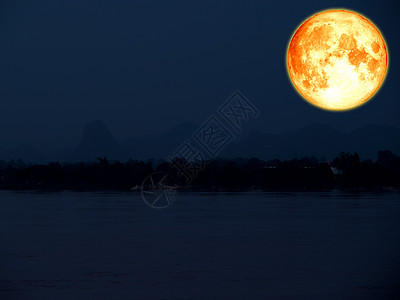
[227, 245]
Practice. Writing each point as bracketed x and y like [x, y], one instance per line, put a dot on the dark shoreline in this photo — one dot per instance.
[345, 172]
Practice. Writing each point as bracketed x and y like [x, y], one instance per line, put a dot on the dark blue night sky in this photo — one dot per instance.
[145, 66]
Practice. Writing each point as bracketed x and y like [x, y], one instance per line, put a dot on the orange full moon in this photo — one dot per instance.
[337, 60]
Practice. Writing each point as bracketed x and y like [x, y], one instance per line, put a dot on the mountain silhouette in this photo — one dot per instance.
[372, 138]
[97, 141]
[160, 145]
[319, 140]
[24, 152]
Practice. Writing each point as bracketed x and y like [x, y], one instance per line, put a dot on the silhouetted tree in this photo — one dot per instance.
[304, 173]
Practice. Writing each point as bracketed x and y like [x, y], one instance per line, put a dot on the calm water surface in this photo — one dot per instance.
[249, 245]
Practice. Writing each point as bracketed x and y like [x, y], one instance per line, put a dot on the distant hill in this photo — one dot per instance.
[372, 138]
[24, 152]
[160, 145]
[97, 141]
[319, 140]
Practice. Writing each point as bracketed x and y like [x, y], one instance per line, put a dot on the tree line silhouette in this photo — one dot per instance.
[345, 171]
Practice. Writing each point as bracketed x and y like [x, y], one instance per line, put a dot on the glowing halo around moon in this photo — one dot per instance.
[337, 59]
